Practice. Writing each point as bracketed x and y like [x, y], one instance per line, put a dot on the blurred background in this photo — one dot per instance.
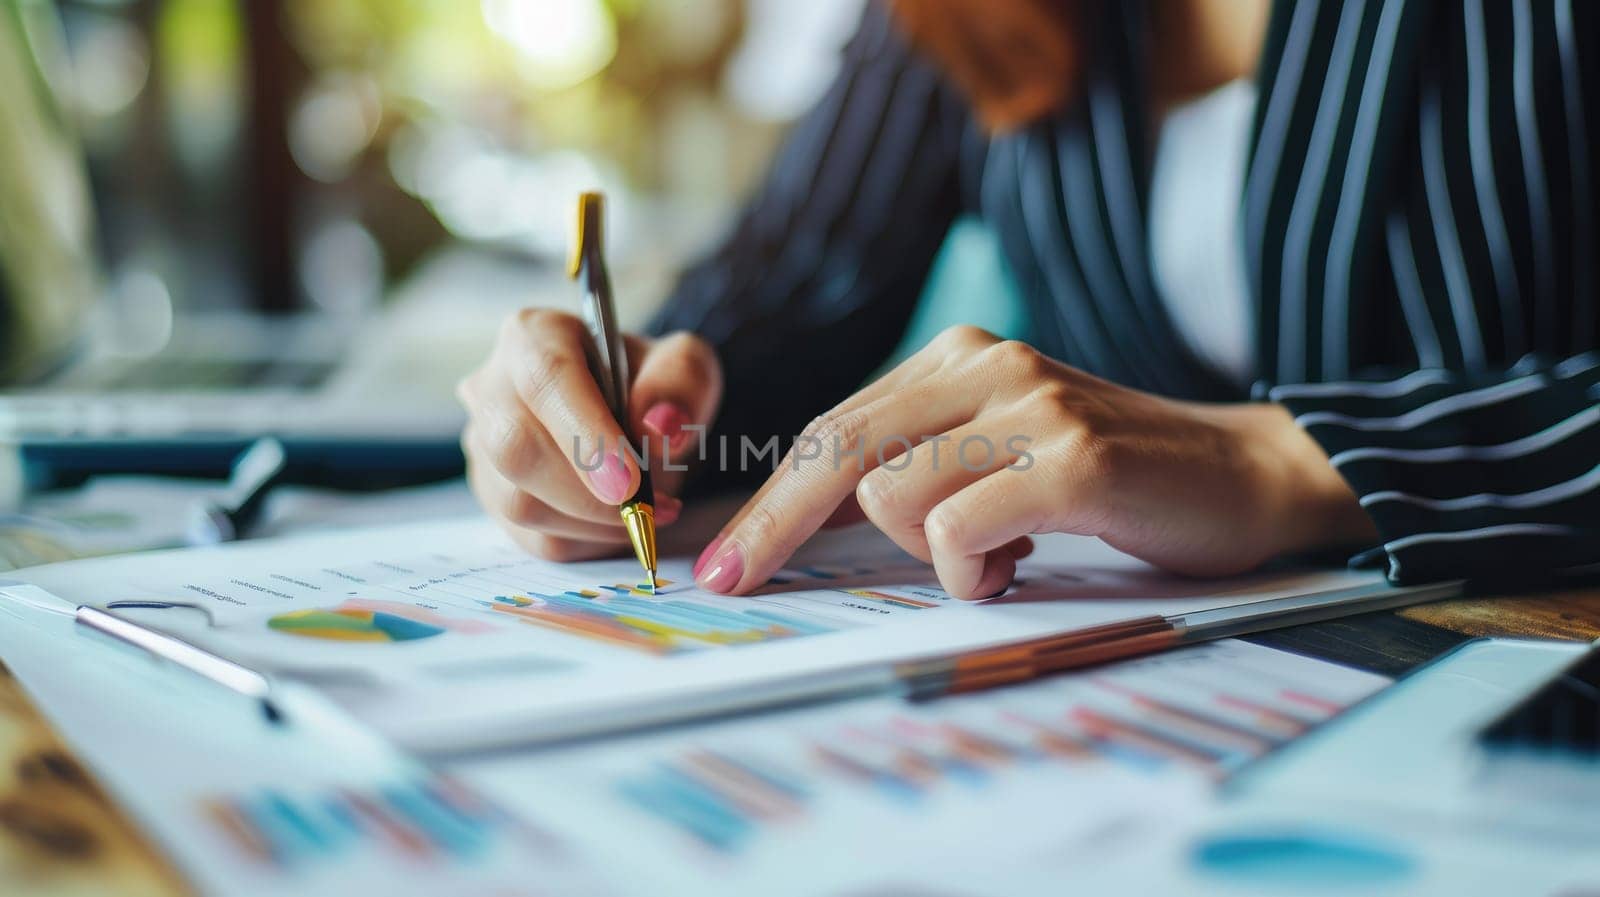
[295, 155]
[301, 221]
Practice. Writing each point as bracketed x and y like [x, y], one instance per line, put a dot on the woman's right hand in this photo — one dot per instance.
[534, 402]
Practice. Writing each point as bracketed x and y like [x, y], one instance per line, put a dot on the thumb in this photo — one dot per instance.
[679, 384]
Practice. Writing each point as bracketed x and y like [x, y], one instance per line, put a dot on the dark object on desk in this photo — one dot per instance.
[233, 514]
[358, 464]
[1386, 642]
[1562, 716]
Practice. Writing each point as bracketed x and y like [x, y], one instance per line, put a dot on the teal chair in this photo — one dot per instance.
[969, 284]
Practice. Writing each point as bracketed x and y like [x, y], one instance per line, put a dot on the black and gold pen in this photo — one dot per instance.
[610, 363]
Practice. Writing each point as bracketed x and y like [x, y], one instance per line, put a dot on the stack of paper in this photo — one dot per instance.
[448, 638]
[845, 798]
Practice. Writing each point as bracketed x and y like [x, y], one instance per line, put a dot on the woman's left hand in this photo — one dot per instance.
[974, 443]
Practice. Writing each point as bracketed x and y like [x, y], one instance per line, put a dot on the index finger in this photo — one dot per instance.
[547, 364]
[820, 471]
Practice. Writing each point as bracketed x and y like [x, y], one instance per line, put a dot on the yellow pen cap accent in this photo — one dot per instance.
[591, 212]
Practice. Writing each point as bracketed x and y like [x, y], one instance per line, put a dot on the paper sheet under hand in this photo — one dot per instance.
[447, 637]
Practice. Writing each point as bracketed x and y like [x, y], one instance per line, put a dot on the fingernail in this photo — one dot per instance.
[611, 480]
[667, 509]
[705, 555]
[666, 420]
[724, 571]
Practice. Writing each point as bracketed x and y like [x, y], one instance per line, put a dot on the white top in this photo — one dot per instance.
[1196, 243]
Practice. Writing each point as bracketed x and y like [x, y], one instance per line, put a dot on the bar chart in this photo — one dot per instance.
[420, 821]
[631, 618]
[676, 618]
[673, 618]
[1202, 713]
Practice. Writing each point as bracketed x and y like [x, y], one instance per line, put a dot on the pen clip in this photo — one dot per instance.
[162, 604]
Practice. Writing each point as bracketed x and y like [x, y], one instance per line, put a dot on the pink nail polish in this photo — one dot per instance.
[664, 426]
[724, 571]
[705, 555]
[611, 480]
[668, 512]
[666, 419]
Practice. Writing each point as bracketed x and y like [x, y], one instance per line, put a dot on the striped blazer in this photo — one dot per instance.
[1419, 227]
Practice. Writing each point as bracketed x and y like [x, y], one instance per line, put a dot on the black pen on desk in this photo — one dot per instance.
[611, 366]
[256, 472]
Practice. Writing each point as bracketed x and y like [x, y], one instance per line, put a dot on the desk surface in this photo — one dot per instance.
[1393, 642]
[1388, 642]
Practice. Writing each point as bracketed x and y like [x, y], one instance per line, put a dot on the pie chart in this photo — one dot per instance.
[360, 621]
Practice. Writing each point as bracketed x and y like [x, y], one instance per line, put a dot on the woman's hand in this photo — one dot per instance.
[974, 443]
[534, 402]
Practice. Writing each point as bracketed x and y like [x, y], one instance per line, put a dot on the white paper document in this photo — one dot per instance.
[858, 797]
[447, 637]
[1399, 796]
[316, 807]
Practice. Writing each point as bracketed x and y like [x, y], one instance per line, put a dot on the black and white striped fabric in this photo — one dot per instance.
[1419, 227]
[1481, 476]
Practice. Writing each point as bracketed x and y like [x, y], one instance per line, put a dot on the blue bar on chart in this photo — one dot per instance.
[1206, 710]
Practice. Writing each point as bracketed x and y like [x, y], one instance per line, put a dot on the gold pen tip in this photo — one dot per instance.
[640, 520]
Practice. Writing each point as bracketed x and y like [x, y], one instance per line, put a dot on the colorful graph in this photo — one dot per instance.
[818, 572]
[423, 820]
[633, 617]
[643, 589]
[723, 798]
[725, 793]
[366, 620]
[891, 600]
[721, 801]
